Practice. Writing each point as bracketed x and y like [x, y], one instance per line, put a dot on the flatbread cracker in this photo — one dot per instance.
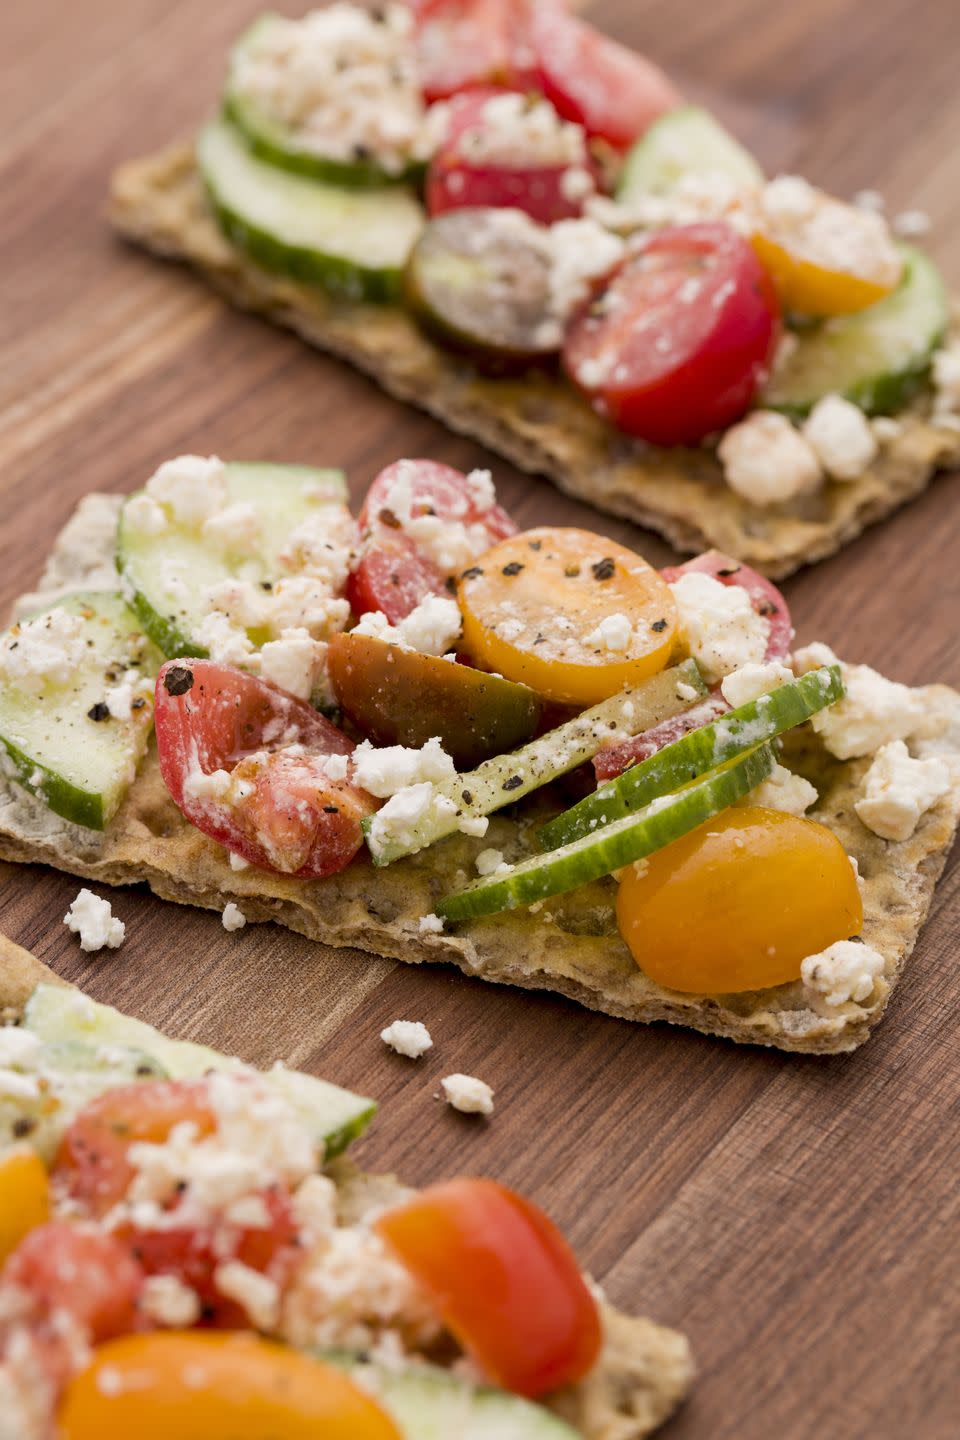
[571, 945]
[645, 1370]
[536, 421]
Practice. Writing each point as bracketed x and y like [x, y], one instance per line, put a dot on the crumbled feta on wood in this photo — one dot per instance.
[92, 919]
[846, 970]
[407, 1037]
[467, 1094]
[841, 436]
[767, 461]
[899, 789]
[233, 917]
[723, 630]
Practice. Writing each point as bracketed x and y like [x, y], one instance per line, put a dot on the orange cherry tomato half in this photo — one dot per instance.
[202, 1386]
[92, 1158]
[569, 613]
[504, 1279]
[739, 903]
[24, 1196]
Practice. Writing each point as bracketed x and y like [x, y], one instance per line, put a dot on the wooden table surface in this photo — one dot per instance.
[798, 1217]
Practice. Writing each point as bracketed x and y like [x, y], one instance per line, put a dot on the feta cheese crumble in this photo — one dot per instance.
[767, 461]
[91, 918]
[296, 662]
[898, 790]
[723, 630]
[430, 925]
[751, 681]
[386, 771]
[432, 628]
[467, 1094]
[167, 1301]
[841, 437]
[190, 488]
[946, 379]
[512, 128]
[613, 633]
[233, 917]
[491, 862]
[873, 712]
[407, 1037]
[782, 790]
[845, 971]
[817, 228]
[46, 650]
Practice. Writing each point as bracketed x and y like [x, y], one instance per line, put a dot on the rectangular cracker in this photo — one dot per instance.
[571, 945]
[644, 1371]
[537, 420]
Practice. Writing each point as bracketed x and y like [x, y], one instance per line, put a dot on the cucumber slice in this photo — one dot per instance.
[623, 842]
[688, 141]
[278, 144]
[428, 1403]
[168, 573]
[333, 1116]
[696, 753]
[70, 1075]
[507, 778]
[61, 742]
[354, 243]
[480, 281]
[878, 358]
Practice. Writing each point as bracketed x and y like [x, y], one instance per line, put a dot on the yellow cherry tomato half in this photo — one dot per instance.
[569, 613]
[196, 1385]
[824, 257]
[739, 903]
[24, 1196]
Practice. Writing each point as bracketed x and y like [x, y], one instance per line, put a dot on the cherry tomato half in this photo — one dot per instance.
[571, 614]
[398, 568]
[83, 1273]
[464, 43]
[92, 1158]
[676, 343]
[610, 90]
[196, 1386]
[284, 812]
[503, 1278]
[457, 180]
[739, 903]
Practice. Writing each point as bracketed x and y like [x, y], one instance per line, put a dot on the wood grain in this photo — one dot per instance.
[800, 1219]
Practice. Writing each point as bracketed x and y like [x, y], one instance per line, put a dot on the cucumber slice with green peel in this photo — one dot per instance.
[169, 572]
[697, 752]
[61, 741]
[878, 358]
[682, 143]
[353, 243]
[428, 1403]
[625, 841]
[334, 1117]
[278, 144]
[453, 804]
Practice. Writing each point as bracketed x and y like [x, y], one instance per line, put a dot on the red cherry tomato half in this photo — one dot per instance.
[288, 814]
[765, 598]
[767, 601]
[457, 181]
[503, 1278]
[88, 1275]
[612, 760]
[395, 572]
[610, 90]
[92, 1159]
[677, 342]
[461, 43]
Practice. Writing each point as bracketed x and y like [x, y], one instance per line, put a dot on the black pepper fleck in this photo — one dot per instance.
[23, 1126]
[99, 711]
[331, 809]
[468, 797]
[178, 680]
[659, 626]
[388, 518]
[513, 782]
[473, 573]
[729, 570]
[513, 568]
[571, 571]
[535, 544]
[604, 569]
